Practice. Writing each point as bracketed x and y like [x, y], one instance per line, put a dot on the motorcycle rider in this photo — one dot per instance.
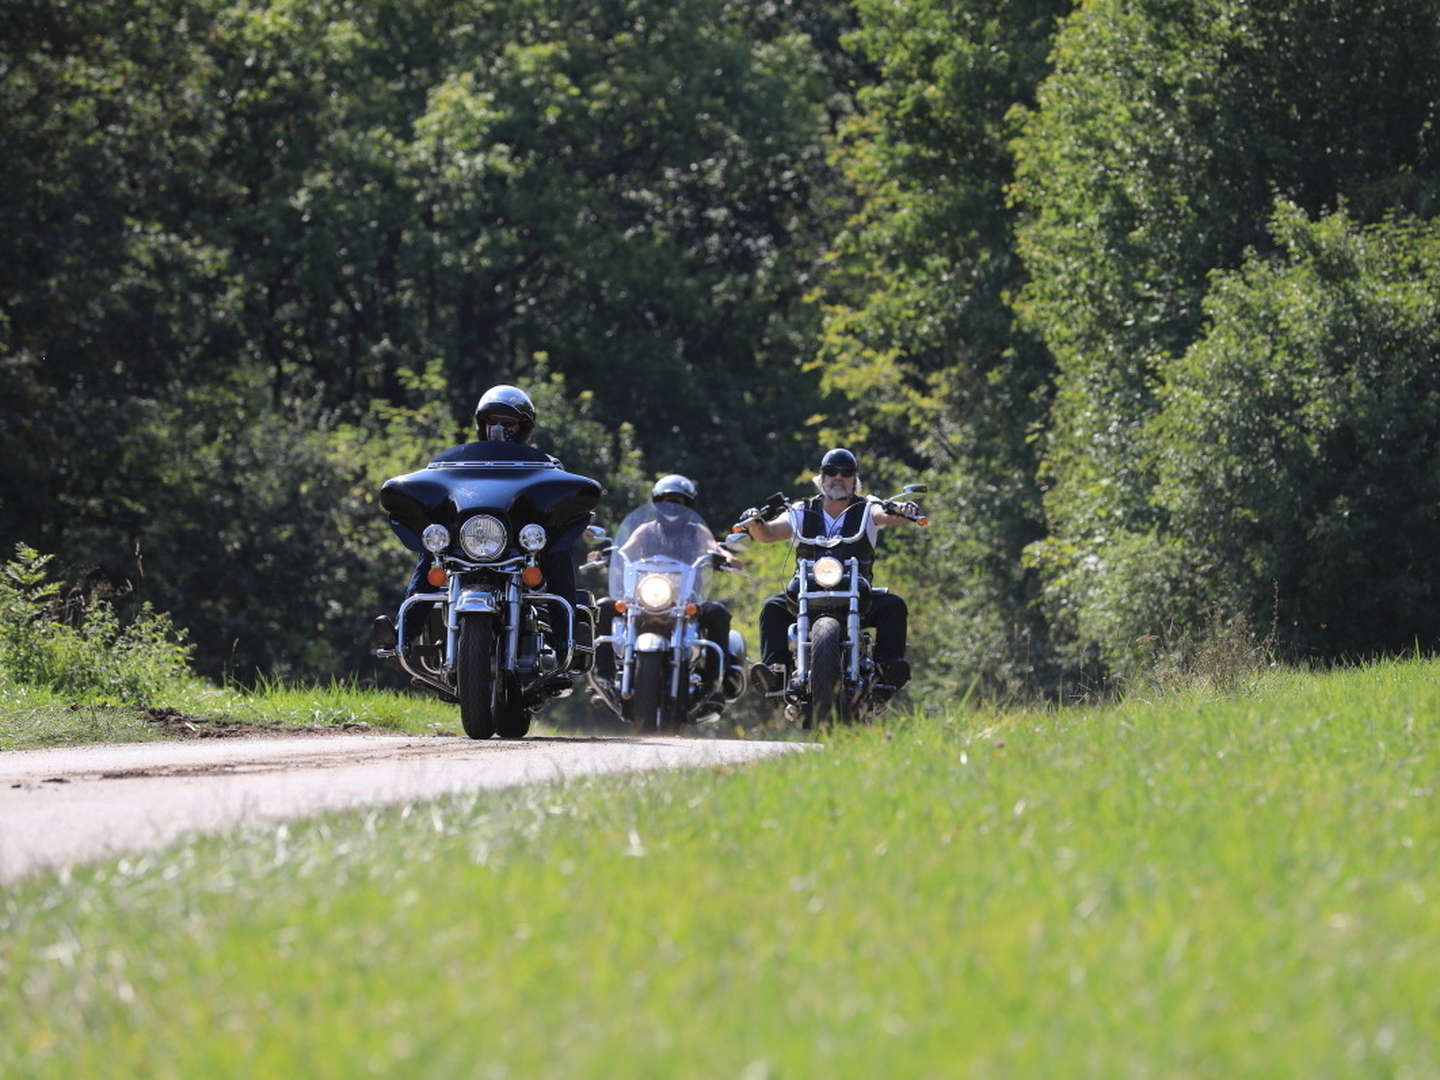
[837, 510]
[504, 414]
[657, 537]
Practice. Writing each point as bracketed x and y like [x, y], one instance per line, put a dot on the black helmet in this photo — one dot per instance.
[508, 402]
[840, 459]
[674, 484]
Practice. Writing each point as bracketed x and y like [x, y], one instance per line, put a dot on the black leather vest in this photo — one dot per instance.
[813, 524]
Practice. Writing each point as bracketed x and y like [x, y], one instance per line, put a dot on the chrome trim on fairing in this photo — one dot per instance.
[502, 465]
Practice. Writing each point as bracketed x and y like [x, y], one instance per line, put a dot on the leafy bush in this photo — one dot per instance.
[1297, 441]
[79, 647]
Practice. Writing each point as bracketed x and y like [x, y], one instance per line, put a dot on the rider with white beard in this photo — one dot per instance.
[838, 510]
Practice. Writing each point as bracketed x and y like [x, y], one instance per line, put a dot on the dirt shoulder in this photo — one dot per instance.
[66, 806]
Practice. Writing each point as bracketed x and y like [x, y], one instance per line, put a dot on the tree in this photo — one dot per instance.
[924, 365]
[1296, 440]
[1151, 159]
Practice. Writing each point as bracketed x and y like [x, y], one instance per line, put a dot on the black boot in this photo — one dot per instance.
[770, 677]
[382, 634]
[895, 673]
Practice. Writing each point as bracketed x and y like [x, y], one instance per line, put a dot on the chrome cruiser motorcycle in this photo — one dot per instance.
[660, 564]
[495, 638]
[834, 675]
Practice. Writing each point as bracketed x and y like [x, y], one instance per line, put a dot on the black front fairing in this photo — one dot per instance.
[517, 483]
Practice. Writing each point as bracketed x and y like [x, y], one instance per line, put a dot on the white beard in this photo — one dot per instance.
[835, 488]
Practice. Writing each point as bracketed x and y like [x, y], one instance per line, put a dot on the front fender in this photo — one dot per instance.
[478, 600]
[651, 643]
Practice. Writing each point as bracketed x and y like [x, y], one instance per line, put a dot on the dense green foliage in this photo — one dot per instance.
[76, 646]
[257, 255]
[1296, 442]
[919, 342]
[1151, 160]
[1197, 887]
[241, 233]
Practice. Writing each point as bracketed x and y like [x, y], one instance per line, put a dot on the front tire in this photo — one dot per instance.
[647, 703]
[827, 673]
[475, 676]
[512, 719]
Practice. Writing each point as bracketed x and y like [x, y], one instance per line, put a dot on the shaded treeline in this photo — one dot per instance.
[1144, 289]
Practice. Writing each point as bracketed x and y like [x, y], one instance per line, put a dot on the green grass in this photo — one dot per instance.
[31, 717]
[1186, 887]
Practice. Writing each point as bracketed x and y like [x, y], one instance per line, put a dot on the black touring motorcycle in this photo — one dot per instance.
[659, 575]
[834, 678]
[494, 638]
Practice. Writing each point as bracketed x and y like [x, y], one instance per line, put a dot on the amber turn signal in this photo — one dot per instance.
[437, 576]
[621, 607]
[531, 576]
[692, 609]
[922, 521]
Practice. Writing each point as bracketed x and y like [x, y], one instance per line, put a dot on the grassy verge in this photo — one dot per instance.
[1184, 887]
[31, 718]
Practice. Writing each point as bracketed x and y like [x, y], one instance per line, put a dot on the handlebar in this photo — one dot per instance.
[778, 502]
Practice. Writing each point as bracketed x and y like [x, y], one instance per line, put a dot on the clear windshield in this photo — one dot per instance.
[663, 538]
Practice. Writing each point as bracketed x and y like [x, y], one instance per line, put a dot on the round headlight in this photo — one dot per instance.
[483, 537]
[828, 572]
[532, 537]
[436, 538]
[656, 592]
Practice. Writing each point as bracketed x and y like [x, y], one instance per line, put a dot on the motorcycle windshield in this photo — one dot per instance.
[667, 540]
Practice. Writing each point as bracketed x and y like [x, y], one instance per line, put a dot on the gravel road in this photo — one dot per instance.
[62, 807]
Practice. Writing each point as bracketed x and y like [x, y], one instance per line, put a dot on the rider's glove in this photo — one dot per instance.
[909, 509]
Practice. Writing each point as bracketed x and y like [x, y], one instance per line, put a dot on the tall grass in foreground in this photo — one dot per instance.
[1187, 888]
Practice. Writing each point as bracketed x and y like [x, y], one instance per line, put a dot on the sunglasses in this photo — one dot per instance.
[835, 470]
[672, 499]
[507, 422]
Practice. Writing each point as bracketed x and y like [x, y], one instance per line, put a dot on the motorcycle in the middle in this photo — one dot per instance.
[660, 565]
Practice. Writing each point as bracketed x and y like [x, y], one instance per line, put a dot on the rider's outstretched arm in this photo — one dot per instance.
[909, 515]
[766, 531]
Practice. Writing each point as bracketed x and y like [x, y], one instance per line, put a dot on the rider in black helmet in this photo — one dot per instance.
[837, 510]
[504, 414]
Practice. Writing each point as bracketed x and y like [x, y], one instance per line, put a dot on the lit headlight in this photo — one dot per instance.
[828, 572]
[532, 537]
[656, 592]
[483, 537]
[436, 538]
